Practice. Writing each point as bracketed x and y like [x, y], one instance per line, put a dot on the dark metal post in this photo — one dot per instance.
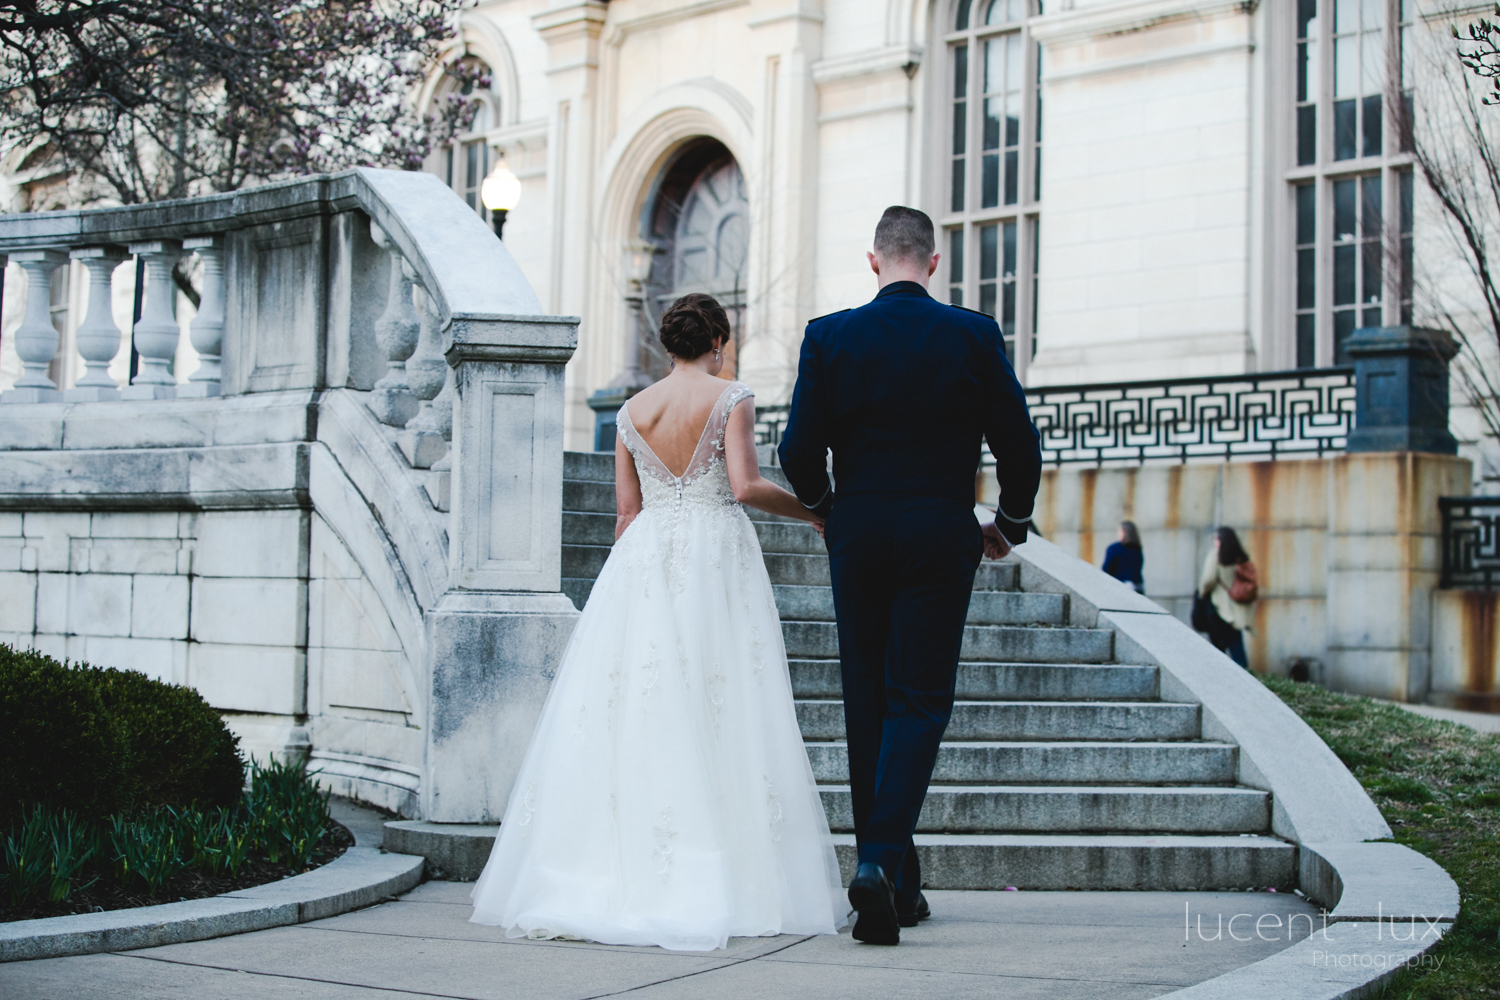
[497, 216]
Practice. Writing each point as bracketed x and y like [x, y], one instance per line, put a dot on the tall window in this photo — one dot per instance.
[1350, 192]
[465, 161]
[992, 115]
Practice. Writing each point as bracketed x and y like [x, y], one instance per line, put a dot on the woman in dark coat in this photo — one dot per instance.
[1124, 559]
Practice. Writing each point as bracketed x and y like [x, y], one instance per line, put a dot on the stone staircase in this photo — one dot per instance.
[1060, 769]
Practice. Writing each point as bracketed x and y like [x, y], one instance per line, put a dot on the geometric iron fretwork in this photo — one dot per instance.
[1471, 542]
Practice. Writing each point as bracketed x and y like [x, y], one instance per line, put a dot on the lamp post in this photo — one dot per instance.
[500, 192]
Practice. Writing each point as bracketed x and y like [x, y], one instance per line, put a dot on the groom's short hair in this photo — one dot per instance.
[904, 234]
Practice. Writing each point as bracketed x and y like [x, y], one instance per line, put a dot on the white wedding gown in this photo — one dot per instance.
[666, 798]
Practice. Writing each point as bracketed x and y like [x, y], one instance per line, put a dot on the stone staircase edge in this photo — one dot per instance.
[359, 877]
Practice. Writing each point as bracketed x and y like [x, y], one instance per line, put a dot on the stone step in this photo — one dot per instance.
[985, 607]
[997, 576]
[819, 678]
[796, 537]
[797, 570]
[578, 589]
[584, 560]
[823, 721]
[588, 496]
[1083, 762]
[1075, 809]
[580, 528]
[1095, 862]
[597, 466]
[981, 642]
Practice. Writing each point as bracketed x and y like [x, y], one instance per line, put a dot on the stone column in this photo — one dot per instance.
[98, 336]
[396, 333]
[207, 328]
[36, 337]
[494, 639]
[157, 334]
[1385, 530]
[423, 441]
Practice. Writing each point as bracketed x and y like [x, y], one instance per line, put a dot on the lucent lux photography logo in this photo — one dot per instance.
[1274, 927]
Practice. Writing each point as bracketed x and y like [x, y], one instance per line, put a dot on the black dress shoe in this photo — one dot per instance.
[870, 893]
[908, 914]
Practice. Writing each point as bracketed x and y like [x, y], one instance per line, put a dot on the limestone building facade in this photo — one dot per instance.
[1136, 189]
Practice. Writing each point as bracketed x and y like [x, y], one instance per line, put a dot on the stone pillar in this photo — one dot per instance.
[1401, 390]
[98, 336]
[157, 334]
[207, 328]
[494, 639]
[1384, 559]
[36, 337]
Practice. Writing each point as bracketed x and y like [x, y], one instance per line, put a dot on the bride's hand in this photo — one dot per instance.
[818, 527]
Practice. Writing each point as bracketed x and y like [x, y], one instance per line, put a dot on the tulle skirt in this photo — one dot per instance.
[666, 798]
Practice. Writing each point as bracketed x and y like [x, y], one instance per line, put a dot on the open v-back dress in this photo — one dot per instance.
[666, 797]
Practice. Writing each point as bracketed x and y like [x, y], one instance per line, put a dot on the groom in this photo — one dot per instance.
[902, 390]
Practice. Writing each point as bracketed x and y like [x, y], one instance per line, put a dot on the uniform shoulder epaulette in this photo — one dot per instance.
[976, 312]
[825, 316]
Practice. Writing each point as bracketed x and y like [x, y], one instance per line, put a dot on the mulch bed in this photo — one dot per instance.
[107, 894]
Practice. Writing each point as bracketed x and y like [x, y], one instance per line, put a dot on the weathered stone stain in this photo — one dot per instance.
[1479, 639]
[1173, 516]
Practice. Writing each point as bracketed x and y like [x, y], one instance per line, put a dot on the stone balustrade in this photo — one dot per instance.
[275, 528]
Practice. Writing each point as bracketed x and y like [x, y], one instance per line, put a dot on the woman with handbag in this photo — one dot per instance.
[1224, 606]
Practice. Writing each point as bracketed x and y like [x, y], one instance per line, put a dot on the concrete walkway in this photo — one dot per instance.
[1483, 722]
[1065, 945]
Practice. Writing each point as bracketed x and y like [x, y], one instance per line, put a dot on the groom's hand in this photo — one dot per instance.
[995, 545]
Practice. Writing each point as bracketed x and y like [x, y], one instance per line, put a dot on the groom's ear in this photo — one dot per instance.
[874, 262]
[933, 263]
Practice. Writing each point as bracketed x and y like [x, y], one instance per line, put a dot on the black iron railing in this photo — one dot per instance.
[1268, 415]
[1471, 542]
[1308, 412]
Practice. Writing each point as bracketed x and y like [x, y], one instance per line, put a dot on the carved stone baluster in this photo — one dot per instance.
[36, 337]
[422, 442]
[396, 333]
[207, 328]
[98, 336]
[157, 333]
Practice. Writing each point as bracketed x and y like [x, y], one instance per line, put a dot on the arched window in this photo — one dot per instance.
[466, 160]
[990, 125]
[1350, 189]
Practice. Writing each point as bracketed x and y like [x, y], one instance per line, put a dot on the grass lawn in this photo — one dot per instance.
[1438, 785]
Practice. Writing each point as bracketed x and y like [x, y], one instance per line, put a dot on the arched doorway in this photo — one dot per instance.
[698, 219]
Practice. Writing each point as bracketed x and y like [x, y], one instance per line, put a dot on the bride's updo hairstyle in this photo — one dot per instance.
[692, 324]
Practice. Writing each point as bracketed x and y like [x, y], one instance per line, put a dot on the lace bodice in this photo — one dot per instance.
[705, 481]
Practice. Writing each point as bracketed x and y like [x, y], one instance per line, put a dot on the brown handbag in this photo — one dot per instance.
[1243, 590]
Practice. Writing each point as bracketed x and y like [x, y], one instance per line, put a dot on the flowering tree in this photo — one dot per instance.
[140, 100]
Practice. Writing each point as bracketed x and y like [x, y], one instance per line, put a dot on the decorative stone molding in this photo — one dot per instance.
[620, 29]
[892, 58]
[1124, 16]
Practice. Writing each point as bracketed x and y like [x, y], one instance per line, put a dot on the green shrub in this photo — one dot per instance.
[179, 750]
[59, 746]
[97, 741]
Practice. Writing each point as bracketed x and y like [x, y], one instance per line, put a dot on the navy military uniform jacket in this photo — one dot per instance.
[903, 389]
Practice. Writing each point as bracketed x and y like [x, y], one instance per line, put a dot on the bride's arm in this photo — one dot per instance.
[750, 487]
[627, 488]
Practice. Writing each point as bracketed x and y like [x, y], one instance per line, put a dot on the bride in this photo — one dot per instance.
[666, 798]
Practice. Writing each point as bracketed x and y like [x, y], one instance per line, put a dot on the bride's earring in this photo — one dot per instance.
[716, 354]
